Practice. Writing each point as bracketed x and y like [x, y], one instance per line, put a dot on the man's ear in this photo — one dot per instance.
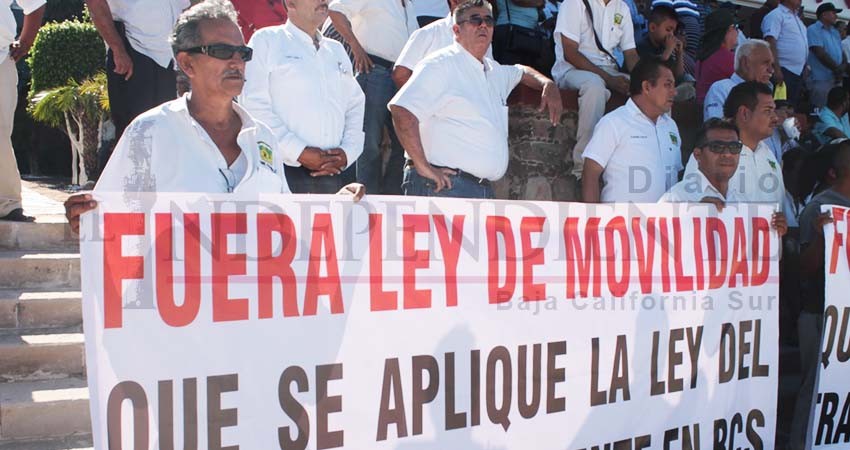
[456, 29]
[185, 62]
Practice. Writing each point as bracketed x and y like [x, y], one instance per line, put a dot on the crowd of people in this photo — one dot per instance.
[306, 105]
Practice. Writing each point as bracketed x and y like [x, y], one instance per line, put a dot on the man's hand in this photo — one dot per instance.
[719, 204]
[551, 99]
[822, 220]
[334, 163]
[19, 49]
[313, 158]
[779, 223]
[670, 44]
[618, 84]
[356, 190]
[362, 63]
[123, 62]
[75, 206]
[778, 78]
[439, 176]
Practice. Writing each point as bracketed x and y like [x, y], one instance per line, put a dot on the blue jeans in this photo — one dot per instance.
[379, 89]
[462, 187]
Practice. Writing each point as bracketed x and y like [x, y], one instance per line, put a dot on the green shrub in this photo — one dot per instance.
[70, 50]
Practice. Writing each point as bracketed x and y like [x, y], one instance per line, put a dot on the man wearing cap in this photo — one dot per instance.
[786, 33]
[825, 55]
[753, 62]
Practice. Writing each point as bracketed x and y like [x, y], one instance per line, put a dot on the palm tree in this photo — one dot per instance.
[82, 108]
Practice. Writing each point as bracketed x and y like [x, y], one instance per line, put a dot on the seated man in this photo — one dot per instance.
[833, 122]
[203, 141]
[759, 175]
[582, 65]
[636, 149]
[753, 62]
[717, 152]
[661, 43]
[451, 115]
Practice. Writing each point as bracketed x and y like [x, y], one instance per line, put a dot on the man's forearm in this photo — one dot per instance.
[407, 129]
[631, 58]
[772, 42]
[824, 58]
[101, 16]
[343, 27]
[533, 79]
[579, 61]
[32, 22]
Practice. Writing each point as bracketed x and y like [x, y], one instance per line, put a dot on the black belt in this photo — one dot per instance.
[465, 175]
[378, 61]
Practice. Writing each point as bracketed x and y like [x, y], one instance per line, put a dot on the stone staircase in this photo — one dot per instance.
[43, 392]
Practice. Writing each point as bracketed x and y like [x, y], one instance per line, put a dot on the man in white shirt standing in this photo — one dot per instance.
[636, 149]
[753, 62]
[758, 178]
[787, 35]
[452, 115]
[428, 11]
[301, 84]
[140, 72]
[376, 31]
[582, 65]
[11, 50]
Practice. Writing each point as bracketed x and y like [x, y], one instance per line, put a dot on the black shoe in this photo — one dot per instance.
[17, 215]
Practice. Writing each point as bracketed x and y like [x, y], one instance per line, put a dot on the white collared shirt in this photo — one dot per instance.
[148, 24]
[792, 40]
[461, 104]
[717, 94]
[435, 36]
[308, 97]
[166, 150]
[694, 187]
[8, 26]
[381, 26]
[641, 159]
[431, 8]
[613, 24]
[758, 178]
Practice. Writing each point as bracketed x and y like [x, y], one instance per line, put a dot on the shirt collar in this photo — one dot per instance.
[736, 78]
[635, 111]
[485, 65]
[786, 10]
[299, 34]
[706, 187]
[181, 106]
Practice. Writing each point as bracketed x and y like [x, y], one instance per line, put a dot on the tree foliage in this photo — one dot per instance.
[70, 50]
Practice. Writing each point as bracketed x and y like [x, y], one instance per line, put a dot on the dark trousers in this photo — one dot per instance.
[300, 181]
[425, 20]
[793, 85]
[150, 86]
[379, 89]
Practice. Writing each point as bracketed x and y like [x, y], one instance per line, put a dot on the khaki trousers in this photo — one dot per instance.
[10, 179]
[592, 97]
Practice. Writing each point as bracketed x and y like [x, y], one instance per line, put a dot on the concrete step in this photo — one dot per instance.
[21, 311]
[47, 233]
[73, 442]
[41, 356]
[43, 410]
[39, 270]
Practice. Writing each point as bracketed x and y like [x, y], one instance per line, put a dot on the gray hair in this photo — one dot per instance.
[746, 49]
[460, 12]
[187, 30]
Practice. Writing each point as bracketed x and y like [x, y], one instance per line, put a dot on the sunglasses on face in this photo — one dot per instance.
[223, 51]
[476, 20]
[721, 147]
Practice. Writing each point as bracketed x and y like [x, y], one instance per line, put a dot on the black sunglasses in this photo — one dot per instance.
[223, 51]
[721, 147]
[476, 20]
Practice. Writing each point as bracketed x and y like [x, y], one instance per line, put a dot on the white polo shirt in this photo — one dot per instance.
[717, 95]
[166, 150]
[613, 24]
[8, 27]
[381, 26]
[758, 178]
[694, 187]
[148, 24]
[431, 8]
[308, 97]
[792, 39]
[641, 159]
[435, 36]
[461, 104]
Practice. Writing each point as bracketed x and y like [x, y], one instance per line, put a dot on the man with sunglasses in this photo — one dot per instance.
[301, 84]
[758, 178]
[140, 72]
[452, 115]
[203, 141]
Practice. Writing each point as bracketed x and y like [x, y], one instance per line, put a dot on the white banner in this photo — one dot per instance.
[293, 322]
[831, 421]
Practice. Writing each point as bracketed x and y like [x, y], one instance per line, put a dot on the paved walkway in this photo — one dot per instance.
[43, 199]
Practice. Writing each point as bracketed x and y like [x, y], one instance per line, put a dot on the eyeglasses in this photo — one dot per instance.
[223, 51]
[476, 20]
[721, 147]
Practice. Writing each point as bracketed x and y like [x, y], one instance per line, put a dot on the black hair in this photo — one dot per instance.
[836, 97]
[715, 123]
[661, 13]
[647, 69]
[745, 94]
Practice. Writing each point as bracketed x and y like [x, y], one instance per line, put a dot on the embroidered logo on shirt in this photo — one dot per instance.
[618, 19]
[674, 139]
[772, 165]
[266, 155]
